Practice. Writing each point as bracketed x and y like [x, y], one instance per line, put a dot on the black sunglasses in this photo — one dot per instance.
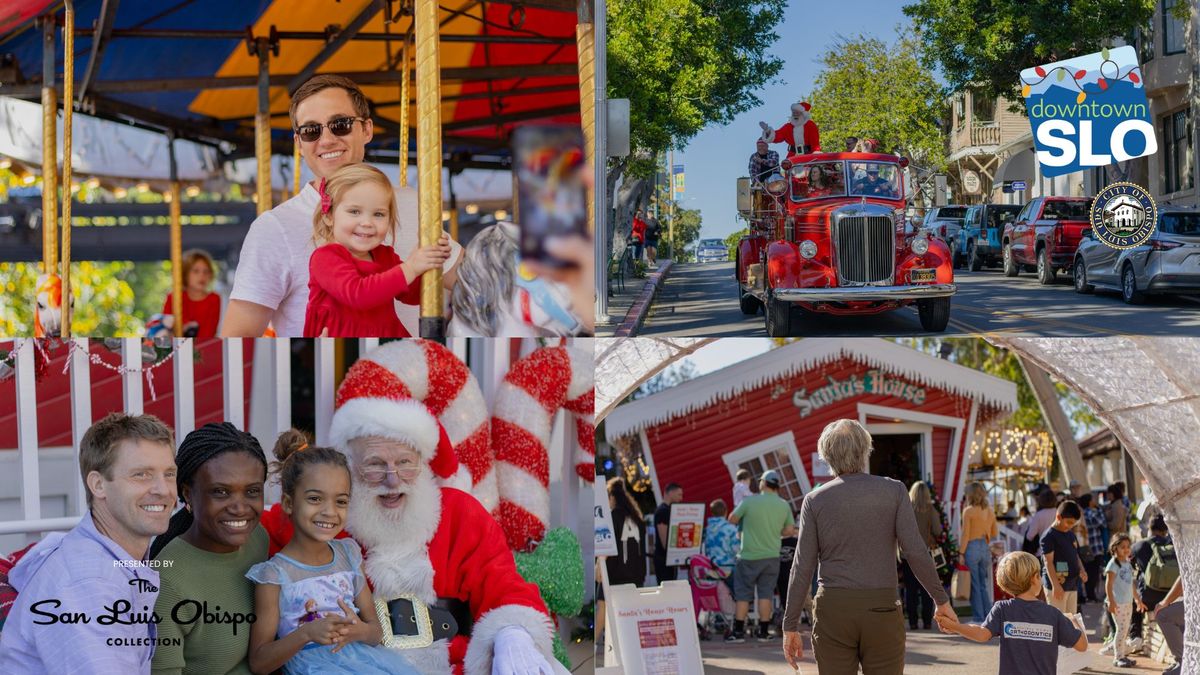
[339, 127]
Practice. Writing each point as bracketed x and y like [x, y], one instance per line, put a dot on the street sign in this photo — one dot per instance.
[1014, 186]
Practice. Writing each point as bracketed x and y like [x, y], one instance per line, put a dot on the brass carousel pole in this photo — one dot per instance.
[404, 113]
[585, 42]
[176, 241]
[68, 110]
[295, 166]
[49, 152]
[262, 124]
[429, 160]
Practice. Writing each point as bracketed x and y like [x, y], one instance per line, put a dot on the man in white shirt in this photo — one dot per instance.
[270, 285]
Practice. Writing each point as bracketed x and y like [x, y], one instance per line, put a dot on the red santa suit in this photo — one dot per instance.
[442, 543]
[808, 139]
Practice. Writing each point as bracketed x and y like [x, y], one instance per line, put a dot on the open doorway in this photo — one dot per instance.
[897, 456]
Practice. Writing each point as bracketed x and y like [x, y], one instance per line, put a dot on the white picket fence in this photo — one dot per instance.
[50, 476]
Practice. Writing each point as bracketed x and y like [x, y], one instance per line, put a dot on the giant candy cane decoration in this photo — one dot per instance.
[433, 375]
[534, 390]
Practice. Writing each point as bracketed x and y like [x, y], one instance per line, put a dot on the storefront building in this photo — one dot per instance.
[768, 411]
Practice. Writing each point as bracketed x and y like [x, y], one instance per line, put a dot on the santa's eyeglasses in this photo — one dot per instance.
[376, 473]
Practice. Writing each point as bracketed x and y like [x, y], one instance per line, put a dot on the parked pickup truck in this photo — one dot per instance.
[1044, 236]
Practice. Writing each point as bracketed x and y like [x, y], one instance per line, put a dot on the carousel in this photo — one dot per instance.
[449, 84]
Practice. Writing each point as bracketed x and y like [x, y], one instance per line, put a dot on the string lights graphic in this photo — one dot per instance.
[1061, 72]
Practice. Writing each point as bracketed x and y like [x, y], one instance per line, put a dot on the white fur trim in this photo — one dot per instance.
[515, 405]
[524, 490]
[407, 361]
[478, 660]
[432, 660]
[466, 413]
[405, 420]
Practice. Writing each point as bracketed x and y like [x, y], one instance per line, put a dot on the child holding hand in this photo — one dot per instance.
[353, 275]
[1030, 631]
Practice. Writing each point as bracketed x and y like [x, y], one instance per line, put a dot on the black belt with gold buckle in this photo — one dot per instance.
[413, 623]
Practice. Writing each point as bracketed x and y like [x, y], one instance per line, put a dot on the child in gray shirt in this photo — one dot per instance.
[1030, 631]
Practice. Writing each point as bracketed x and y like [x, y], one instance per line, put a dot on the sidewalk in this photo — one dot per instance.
[927, 652]
[628, 307]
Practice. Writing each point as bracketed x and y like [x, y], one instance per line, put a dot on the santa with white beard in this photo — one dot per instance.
[800, 132]
[433, 551]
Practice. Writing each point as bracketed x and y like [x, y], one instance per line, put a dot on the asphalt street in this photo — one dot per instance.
[700, 300]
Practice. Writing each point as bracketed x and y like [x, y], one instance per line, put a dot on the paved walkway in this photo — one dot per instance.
[928, 652]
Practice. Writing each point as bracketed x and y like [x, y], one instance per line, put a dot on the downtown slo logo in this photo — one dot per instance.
[1089, 111]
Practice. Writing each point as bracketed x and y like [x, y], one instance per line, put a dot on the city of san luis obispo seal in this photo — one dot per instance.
[1123, 215]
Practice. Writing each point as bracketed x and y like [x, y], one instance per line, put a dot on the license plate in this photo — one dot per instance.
[923, 276]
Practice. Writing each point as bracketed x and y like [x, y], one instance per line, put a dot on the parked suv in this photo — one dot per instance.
[1044, 236]
[983, 226]
[1168, 263]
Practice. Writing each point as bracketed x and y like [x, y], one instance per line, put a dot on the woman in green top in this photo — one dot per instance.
[205, 602]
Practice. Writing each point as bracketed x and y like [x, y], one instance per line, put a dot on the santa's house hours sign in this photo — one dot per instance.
[872, 382]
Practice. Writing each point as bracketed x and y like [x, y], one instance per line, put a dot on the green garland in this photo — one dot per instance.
[947, 540]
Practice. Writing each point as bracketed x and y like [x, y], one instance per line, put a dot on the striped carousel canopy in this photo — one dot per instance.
[186, 65]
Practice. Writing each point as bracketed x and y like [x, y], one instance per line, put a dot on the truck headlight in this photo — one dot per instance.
[776, 185]
[920, 245]
[808, 249]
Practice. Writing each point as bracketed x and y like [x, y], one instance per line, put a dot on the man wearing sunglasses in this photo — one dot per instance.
[331, 119]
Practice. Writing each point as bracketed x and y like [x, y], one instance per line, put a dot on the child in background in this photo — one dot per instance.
[1060, 549]
[201, 307]
[314, 611]
[741, 489]
[1030, 631]
[353, 275]
[1122, 594]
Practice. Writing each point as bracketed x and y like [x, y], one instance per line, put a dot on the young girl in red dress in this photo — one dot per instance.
[201, 307]
[354, 274]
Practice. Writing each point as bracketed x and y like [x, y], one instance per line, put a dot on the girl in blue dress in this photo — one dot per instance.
[314, 611]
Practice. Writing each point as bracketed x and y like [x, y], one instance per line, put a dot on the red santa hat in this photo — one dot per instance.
[803, 104]
[374, 400]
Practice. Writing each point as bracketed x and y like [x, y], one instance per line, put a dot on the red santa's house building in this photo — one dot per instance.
[768, 411]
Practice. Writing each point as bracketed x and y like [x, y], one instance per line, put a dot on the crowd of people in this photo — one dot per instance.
[865, 552]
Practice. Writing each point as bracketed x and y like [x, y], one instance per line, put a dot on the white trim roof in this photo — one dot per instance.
[801, 355]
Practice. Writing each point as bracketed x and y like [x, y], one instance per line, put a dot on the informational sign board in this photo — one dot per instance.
[970, 181]
[821, 470]
[655, 629]
[606, 539]
[1014, 186]
[685, 532]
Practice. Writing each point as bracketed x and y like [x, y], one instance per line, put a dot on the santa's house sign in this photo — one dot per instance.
[872, 382]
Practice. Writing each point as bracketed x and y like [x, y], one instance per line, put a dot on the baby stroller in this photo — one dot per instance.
[710, 596]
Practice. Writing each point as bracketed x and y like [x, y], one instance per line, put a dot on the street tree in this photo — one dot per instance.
[731, 242]
[686, 233]
[870, 89]
[985, 44]
[683, 64]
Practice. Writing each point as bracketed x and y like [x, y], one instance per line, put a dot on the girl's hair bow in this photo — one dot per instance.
[326, 200]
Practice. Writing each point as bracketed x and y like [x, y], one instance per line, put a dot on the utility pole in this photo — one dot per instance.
[671, 198]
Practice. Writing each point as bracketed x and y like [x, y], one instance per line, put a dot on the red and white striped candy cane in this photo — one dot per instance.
[452, 395]
[533, 391]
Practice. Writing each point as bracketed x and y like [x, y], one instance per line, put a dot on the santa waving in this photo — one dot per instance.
[800, 132]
